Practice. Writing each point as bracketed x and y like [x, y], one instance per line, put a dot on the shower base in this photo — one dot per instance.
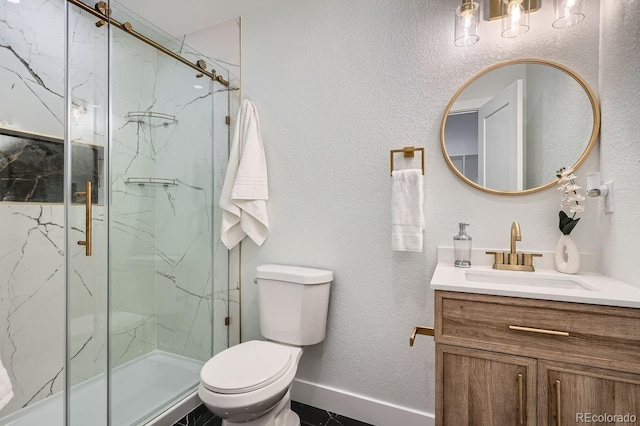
[140, 387]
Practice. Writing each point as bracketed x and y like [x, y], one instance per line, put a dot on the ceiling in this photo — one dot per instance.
[188, 16]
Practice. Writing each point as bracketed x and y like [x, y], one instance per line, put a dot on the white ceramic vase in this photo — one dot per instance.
[567, 255]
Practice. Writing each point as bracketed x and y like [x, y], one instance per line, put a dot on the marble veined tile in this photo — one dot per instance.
[32, 300]
[32, 66]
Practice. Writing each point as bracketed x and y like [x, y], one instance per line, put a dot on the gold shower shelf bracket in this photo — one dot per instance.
[408, 152]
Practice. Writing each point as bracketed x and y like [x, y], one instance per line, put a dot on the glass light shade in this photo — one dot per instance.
[567, 12]
[467, 24]
[515, 18]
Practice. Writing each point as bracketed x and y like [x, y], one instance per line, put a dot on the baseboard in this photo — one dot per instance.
[358, 407]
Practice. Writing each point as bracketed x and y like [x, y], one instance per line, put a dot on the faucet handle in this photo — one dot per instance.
[527, 258]
[498, 257]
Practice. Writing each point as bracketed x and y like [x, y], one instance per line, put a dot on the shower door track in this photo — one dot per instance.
[127, 27]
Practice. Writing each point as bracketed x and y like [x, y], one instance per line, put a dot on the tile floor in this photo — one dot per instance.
[309, 416]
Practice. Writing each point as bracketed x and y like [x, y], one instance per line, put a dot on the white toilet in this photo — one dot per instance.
[249, 383]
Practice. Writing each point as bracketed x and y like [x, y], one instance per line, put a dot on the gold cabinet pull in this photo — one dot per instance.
[558, 403]
[418, 329]
[539, 330]
[88, 214]
[521, 398]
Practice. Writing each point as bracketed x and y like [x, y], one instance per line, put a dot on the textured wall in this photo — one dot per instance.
[337, 85]
[620, 152]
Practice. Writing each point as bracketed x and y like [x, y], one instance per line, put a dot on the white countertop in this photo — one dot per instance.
[545, 284]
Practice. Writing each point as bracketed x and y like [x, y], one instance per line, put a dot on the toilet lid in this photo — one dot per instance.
[246, 367]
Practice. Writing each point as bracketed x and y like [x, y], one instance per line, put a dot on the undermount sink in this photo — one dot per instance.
[499, 277]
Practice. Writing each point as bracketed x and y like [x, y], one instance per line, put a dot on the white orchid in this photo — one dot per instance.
[570, 199]
[576, 209]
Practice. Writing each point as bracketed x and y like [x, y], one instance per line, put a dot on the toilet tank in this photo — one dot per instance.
[293, 303]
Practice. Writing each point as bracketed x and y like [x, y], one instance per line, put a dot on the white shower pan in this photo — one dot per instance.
[140, 387]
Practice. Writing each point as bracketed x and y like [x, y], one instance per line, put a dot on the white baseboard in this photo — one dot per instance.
[358, 407]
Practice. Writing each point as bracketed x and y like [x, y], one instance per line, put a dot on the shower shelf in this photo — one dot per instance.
[142, 181]
[151, 116]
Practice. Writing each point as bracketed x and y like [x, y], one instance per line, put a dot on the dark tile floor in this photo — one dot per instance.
[309, 416]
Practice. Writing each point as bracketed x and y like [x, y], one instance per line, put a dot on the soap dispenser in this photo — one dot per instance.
[462, 247]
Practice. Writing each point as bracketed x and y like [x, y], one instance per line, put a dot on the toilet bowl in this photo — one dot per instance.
[249, 383]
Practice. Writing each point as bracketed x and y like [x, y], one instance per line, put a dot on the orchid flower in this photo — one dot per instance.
[570, 199]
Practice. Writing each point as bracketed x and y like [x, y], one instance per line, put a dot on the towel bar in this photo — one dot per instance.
[409, 151]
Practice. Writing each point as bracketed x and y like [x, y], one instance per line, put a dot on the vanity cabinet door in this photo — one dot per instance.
[482, 388]
[578, 393]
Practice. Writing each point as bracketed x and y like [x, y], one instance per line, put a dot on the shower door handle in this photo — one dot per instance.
[88, 212]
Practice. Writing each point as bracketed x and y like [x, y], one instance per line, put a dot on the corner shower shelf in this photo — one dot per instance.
[151, 117]
[142, 181]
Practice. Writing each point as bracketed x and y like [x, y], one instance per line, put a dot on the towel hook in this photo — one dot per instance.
[408, 151]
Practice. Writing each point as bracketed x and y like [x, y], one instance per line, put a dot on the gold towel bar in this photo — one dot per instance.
[409, 151]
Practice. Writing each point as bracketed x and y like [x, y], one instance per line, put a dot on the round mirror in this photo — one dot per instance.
[512, 126]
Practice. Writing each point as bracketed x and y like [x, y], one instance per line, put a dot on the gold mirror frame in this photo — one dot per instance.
[594, 133]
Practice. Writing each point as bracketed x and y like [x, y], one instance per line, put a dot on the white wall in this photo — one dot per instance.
[337, 85]
[620, 158]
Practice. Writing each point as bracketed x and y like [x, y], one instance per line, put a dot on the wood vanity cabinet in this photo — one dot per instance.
[503, 361]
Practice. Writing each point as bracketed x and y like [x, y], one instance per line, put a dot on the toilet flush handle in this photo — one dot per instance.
[418, 329]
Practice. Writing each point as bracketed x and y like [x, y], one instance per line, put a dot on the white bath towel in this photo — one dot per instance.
[6, 391]
[407, 211]
[245, 191]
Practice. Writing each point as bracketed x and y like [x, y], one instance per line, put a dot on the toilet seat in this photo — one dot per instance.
[246, 367]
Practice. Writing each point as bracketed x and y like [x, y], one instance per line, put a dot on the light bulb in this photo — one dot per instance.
[567, 13]
[515, 19]
[466, 24]
[515, 11]
[568, 8]
[468, 20]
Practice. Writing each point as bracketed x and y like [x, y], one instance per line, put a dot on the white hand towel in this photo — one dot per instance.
[6, 391]
[407, 215]
[245, 191]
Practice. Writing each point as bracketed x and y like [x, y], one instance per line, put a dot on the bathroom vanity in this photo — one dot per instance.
[538, 348]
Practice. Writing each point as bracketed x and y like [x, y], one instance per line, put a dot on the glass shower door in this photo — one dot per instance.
[86, 198]
[161, 251]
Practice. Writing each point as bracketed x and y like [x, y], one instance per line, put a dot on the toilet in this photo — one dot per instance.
[249, 383]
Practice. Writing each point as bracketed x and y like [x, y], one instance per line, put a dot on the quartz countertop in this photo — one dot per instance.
[545, 284]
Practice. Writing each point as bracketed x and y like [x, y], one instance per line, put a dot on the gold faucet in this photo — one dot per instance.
[515, 236]
[513, 260]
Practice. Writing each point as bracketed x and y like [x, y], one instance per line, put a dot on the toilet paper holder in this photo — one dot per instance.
[419, 329]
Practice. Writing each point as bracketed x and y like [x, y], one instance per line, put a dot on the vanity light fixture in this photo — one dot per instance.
[514, 15]
[567, 13]
[596, 189]
[467, 22]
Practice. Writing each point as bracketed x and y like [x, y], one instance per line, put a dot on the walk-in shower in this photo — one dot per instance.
[112, 290]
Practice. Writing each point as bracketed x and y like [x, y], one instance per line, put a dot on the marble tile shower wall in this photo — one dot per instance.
[161, 237]
[32, 249]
